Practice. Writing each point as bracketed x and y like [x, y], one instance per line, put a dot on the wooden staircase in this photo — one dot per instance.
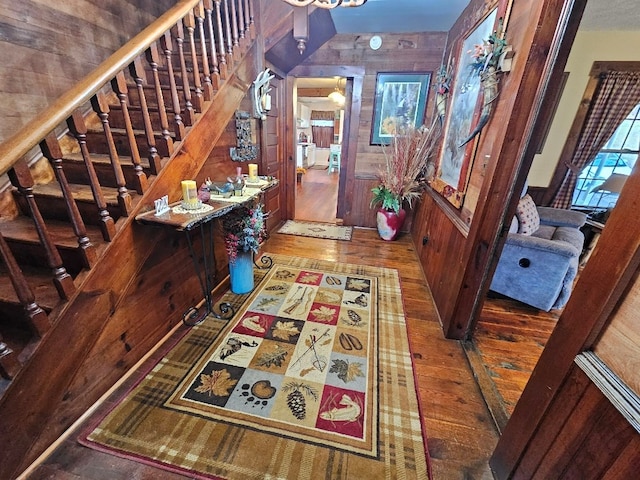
[103, 148]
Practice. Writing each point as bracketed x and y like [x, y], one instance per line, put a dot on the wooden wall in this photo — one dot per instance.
[48, 46]
[410, 52]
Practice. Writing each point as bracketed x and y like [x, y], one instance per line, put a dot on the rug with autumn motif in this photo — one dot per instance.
[311, 378]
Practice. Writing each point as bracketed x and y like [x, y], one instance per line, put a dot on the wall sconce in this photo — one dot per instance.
[261, 97]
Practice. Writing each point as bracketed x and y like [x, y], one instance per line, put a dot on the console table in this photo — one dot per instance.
[187, 221]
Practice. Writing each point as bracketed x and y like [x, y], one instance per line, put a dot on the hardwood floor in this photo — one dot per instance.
[317, 196]
[506, 346]
[461, 434]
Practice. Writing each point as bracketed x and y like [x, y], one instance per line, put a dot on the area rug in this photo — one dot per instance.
[312, 378]
[316, 230]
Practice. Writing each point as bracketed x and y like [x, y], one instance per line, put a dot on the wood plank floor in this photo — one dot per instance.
[507, 343]
[461, 434]
[317, 196]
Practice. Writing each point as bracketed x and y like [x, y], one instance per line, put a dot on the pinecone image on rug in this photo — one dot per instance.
[296, 400]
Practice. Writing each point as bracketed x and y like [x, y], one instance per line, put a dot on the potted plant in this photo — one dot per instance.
[244, 231]
[404, 176]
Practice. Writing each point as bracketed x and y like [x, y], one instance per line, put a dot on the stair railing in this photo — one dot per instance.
[151, 89]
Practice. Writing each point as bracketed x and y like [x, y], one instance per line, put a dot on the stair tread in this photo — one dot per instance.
[22, 229]
[101, 158]
[81, 193]
[123, 131]
[41, 284]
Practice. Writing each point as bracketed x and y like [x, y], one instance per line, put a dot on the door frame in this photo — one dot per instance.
[353, 104]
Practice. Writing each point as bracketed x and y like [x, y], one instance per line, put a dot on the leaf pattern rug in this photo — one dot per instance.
[311, 378]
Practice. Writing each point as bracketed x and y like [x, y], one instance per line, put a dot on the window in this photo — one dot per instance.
[600, 182]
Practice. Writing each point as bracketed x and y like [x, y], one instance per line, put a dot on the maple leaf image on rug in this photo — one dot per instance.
[217, 384]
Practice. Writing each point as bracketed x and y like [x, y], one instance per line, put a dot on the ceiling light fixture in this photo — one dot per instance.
[336, 96]
[326, 3]
[301, 16]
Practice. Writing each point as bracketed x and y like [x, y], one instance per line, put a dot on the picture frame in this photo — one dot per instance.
[463, 111]
[400, 100]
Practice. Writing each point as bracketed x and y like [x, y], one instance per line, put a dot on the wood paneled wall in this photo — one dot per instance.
[410, 52]
[48, 46]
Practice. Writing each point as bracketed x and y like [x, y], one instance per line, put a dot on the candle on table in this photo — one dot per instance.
[189, 193]
[253, 172]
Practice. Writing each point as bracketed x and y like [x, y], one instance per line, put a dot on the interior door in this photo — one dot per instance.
[272, 158]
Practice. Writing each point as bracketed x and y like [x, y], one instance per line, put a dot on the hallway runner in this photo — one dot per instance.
[312, 378]
[316, 230]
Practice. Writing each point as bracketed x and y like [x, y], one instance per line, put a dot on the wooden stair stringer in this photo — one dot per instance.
[52, 408]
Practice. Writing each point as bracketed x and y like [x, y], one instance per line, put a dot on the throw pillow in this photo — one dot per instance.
[527, 213]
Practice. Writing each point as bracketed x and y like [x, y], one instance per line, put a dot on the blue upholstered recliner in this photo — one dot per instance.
[539, 263]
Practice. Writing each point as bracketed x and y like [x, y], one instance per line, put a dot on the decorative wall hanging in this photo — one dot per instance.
[400, 103]
[261, 97]
[246, 149]
[482, 55]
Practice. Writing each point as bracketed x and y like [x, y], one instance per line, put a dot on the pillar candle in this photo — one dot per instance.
[253, 172]
[189, 192]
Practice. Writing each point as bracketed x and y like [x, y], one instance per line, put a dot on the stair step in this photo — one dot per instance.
[116, 118]
[152, 102]
[52, 204]
[40, 280]
[96, 142]
[76, 171]
[22, 237]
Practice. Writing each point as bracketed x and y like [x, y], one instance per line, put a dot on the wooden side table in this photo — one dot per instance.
[202, 220]
[592, 231]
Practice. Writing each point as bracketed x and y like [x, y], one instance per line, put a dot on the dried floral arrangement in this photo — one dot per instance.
[244, 230]
[405, 173]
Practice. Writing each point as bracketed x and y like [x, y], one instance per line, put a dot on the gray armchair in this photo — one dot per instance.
[539, 268]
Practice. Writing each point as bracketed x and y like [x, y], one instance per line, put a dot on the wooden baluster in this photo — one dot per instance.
[21, 178]
[35, 315]
[189, 23]
[215, 74]
[233, 18]
[137, 72]
[51, 150]
[227, 24]
[101, 107]
[119, 86]
[252, 26]
[9, 364]
[78, 128]
[221, 48]
[241, 28]
[167, 47]
[208, 86]
[178, 34]
[153, 57]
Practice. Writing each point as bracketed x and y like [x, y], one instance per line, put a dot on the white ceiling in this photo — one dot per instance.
[401, 16]
[398, 16]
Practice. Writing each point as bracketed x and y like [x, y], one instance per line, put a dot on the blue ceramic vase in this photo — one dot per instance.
[241, 273]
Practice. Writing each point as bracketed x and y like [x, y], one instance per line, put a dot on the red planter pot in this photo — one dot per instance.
[389, 223]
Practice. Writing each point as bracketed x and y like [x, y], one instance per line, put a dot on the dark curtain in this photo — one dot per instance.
[322, 136]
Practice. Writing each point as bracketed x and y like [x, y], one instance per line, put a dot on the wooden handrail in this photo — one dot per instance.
[31, 134]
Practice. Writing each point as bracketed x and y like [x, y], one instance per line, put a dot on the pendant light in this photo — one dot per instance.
[337, 96]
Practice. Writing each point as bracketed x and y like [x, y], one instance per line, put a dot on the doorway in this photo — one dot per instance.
[319, 126]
